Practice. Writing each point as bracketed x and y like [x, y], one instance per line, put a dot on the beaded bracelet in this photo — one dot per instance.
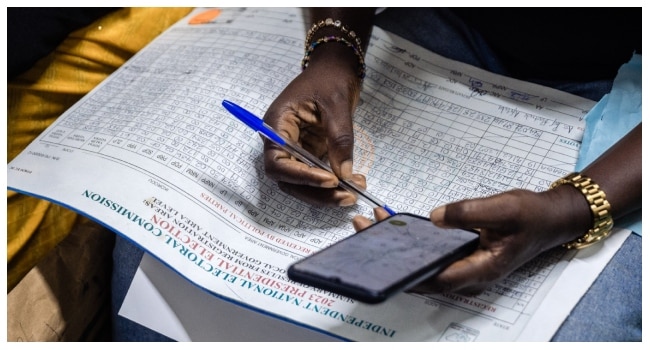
[333, 23]
[310, 48]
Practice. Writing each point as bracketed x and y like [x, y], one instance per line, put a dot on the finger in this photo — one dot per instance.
[335, 196]
[360, 222]
[464, 273]
[337, 117]
[490, 212]
[329, 197]
[468, 275]
[279, 166]
[380, 213]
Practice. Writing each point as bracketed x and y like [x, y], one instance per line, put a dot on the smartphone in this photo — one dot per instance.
[385, 258]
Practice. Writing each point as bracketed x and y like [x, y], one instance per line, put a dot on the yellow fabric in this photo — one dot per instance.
[37, 97]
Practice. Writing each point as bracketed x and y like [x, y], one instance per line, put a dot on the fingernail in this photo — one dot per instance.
[437, 216]
[346, 170]
[348, 202]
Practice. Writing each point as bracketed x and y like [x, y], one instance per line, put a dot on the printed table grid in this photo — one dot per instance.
[464, 157]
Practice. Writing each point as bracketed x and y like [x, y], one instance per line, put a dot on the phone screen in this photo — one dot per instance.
[384, 258]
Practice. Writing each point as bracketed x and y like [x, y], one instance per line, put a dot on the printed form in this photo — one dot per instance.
[152, 154]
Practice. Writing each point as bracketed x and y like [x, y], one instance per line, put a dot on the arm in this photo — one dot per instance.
[528, 223]
[618, 172]
[315, 110]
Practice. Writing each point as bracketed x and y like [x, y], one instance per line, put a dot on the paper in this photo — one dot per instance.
[152, 154]
[185, 312]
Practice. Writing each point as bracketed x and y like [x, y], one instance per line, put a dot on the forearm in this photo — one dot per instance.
[618, 173]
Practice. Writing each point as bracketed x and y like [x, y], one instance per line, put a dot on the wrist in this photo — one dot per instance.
[334, 27]
[334, 56]
[570, 213]
[324, 41]
[589, 209]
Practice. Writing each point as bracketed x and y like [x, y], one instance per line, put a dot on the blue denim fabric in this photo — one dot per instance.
[611, 308]
[126, 259]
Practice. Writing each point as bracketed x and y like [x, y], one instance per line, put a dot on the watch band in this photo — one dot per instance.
[600, 210]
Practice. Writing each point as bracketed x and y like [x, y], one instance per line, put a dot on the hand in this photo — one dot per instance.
[515, 227]
[315, 110]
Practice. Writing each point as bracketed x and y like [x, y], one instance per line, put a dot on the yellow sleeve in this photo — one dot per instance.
[40, 95]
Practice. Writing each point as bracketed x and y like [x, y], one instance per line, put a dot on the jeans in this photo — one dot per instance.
[611, 308]
[126, 259]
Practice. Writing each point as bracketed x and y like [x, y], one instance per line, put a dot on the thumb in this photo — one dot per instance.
[470, 213]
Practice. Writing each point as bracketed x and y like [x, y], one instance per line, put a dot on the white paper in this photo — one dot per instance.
[140, 305]
[185, 312]
[153, 155]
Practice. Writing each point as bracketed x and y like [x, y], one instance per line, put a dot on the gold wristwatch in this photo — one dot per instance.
[600, 210]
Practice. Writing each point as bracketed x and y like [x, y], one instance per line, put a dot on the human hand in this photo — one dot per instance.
[515, 227]
[315, 110]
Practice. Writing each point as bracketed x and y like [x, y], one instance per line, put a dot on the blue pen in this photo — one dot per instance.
[259, 126]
